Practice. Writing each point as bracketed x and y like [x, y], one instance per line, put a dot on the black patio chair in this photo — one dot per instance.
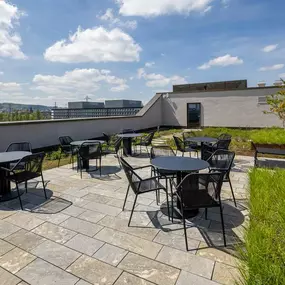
[67, 149]
[32, 169]
[88, 151]
[19, 146]
[140, 185]
[180, 146]
[187, 140]
[113, 148]
[107, 138]
[161, 151]
[145, 141]
[200, 190]
[222, 143]
[222, 161]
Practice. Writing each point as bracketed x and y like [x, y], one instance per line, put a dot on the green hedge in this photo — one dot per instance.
[263, 260]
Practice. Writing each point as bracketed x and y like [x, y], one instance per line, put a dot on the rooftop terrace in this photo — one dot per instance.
[80, 234]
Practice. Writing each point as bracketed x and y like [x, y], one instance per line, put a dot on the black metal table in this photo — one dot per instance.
[127, 142]
[85, 163]
[6, 193]
[202, 140]
[182, 166]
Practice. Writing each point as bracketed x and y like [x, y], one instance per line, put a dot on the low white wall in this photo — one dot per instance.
[238, 108]
[46, 133]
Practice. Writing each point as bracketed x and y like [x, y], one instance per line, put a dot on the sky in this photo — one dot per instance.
[64, 50]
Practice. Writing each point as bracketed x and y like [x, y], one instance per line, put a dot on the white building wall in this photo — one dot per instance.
[237, 108]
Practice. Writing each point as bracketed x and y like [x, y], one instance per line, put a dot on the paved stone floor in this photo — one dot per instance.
[80, 235]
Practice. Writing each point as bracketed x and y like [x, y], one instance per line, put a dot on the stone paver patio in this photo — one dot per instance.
[80, 235]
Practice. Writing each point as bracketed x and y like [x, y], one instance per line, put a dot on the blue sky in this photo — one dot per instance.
[62, 50]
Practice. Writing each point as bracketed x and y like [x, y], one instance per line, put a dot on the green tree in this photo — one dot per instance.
[276, 104]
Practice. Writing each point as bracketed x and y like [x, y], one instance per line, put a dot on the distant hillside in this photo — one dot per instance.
[14, 107]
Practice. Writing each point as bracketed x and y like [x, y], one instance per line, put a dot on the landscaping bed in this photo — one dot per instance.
[263, 259]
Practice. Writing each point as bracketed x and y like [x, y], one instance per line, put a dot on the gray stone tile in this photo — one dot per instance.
[23, 283]
[129, 242]
[15, 260]
[24, 220]
[186, 261]
[110, 254]
[104, 209]
[94, 271]
[79, 202]
[40, 272]
[82, 282]
[84, 244]
[5, 247]
[7, 278]
[7, 229]
[129, 279]
[52, 218]
[25, 240]
[73, 211]
[187, 278]
[122, 225]
[149, 269]
[225, 274]
[97, 198]
[5, 212]
[81, 226]
[119, 204]
[91, 216]
[176, 241]
[56, 254]
[55, 233]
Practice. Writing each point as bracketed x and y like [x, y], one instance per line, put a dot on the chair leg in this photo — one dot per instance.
[223, 225]
[100, 166]
[59, 160]
[185, 230]
[44, 187]
[167, 201]
[133, 210]
[172, 205]
[19, 196]
[232, 192]
[182, 153]
[147, 151]
[206, 213]
[26, 186]
[126, 197]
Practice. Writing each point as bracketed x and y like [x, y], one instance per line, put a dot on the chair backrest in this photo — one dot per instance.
[148, 138]
[163, 150]
[224, 137]
[131, 175]
[179, 144]
[187, 135]
[65, 140]
[89, 150]
[127, 131]
[222, 160]
[19, 146]
[107, 138]
[32, 163]
[223, 143]
[117, 144]
[210, 183]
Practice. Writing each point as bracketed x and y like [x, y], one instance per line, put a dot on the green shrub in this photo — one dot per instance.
[263, 260]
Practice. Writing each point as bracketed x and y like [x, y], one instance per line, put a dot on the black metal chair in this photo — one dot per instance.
[200, 190]
[88, 151]
[145, 141]
[67, 149]
[107, 138]
[222, 161]
[32, 169]
[187, 140]
[222, 143]
[19, 146]
[139, 185]
[180, 146]
[113, 148]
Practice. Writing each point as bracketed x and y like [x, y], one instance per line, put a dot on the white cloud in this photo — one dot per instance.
[282, 75]
[1, 72]
[10, 87]
[150, 64]
[270, 48]
[10, 42]
[10, 91]
[158, 80]
[207, 10]
[225, 3]
[223, 61]
[78, 82]
[114, 21]
[147, 8]
[272, 67]
[95, 45]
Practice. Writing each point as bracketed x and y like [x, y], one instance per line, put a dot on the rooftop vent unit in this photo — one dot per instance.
[278, 83]
[261, 84]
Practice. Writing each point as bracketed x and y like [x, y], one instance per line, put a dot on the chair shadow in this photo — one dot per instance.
[108, 173]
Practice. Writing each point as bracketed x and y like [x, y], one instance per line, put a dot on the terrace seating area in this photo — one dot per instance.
[122, 216]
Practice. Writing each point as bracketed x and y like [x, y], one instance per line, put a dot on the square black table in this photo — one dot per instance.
[202, 140]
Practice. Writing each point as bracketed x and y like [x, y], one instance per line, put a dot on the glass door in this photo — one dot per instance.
[193, 115]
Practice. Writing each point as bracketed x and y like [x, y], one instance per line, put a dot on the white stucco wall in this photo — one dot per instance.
[238, 108]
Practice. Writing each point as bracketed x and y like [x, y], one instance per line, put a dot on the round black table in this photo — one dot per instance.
[183, 166]
[202, 140]
[6, 158]
[85, 163]
[127, 142]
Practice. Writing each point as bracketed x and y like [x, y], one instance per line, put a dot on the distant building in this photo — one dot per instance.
[87, 109]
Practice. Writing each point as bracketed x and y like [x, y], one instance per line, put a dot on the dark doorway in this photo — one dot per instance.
[193, 115]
